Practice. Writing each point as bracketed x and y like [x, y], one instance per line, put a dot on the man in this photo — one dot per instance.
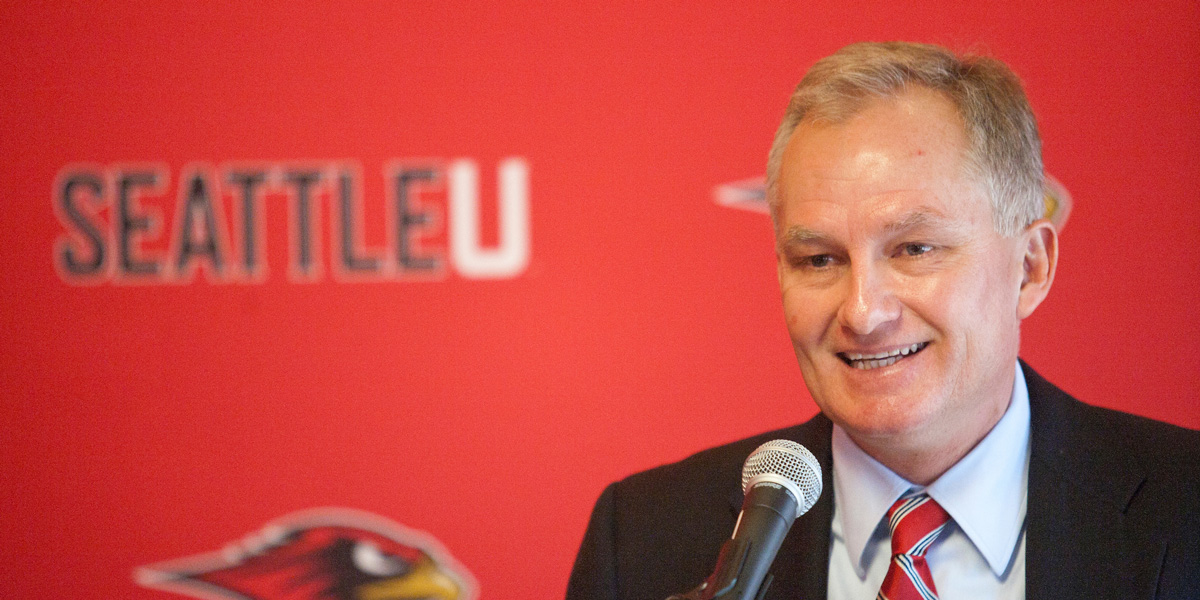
[906, 192]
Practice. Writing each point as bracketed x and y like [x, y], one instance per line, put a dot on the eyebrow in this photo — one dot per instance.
[802, 235]
[922, 217]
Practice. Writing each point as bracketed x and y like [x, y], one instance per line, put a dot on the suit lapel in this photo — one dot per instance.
[1078, 544]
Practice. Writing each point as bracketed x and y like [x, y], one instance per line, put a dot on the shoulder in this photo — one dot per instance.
[1100, 432]
[1150, 442]
[715, 473]
[1107, 487]
[1087, 456]
[694, 503]
[658, 532]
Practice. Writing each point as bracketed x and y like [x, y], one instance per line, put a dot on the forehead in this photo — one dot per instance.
[895, 158]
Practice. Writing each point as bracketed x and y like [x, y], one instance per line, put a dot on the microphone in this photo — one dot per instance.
[782, 480]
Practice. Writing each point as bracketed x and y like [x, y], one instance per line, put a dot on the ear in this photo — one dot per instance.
[1040, 261]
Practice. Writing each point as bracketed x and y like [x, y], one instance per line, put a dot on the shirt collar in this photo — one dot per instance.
[985, 492]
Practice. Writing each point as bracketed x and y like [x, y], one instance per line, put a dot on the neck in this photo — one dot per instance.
[919, 465]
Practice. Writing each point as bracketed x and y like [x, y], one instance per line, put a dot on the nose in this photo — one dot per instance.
[870, 303]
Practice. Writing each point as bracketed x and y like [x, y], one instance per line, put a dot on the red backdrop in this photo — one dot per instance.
[153, 418]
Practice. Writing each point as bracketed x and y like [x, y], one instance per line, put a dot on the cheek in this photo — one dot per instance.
[797, 318]
[807, 315]
[976, 304]
[1001, 286]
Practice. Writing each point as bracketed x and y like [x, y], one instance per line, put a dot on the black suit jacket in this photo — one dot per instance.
[1114, 512]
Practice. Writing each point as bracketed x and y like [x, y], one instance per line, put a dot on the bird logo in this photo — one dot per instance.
[319, 554]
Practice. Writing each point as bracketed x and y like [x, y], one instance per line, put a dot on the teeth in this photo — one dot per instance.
[882, 359]
[875, 364]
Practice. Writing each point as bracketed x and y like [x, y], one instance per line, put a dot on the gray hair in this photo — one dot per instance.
[1004, 150]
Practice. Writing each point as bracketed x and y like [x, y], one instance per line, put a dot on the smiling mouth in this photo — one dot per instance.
[883, 359]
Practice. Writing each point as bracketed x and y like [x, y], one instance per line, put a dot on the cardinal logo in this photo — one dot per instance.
[319, 554]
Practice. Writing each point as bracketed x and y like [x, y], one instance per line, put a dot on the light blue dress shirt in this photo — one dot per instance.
[980, 555]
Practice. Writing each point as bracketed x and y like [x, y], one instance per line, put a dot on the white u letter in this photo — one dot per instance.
[511, 257]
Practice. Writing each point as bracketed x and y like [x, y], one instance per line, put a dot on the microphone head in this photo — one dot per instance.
[788, 464]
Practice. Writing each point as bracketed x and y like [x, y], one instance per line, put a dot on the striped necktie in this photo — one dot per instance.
[915, 523]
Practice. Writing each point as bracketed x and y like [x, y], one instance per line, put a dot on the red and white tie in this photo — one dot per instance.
[915, 523]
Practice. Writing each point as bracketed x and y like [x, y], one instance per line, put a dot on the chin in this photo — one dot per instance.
[881, 417]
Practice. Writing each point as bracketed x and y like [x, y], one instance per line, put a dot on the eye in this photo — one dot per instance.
[813, 260]
[372, 561]
[818, 261]
[915, 249]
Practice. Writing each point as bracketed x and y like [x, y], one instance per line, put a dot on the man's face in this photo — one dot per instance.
[901, 299]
